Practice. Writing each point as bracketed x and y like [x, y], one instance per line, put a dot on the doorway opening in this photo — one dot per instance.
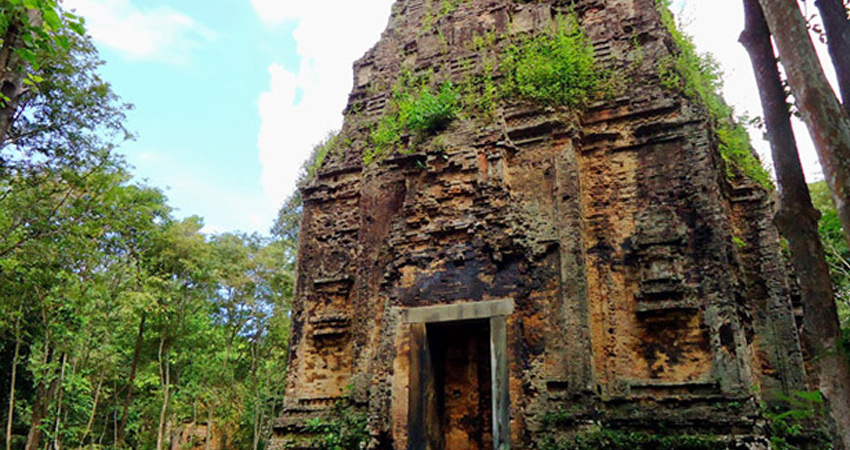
[460, 357]
[458, 392]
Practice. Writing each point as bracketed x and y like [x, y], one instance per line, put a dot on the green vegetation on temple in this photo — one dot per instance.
[698, 76]
[416, 108]
[556, 68]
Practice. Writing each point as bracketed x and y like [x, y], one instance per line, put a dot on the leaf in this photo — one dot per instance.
[62, 42]
[77, 27]
[51, 19]
[27, 55]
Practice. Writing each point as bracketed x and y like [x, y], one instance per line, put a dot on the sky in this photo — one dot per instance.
[231, 95]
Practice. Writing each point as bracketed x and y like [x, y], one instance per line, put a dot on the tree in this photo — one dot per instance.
[797, 220]
[119, 321]
[827, 122]
[28, 28]
[837, 29]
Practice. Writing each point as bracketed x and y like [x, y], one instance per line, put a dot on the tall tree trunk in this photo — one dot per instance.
[258, 420]
[837, 28]
[797, 220]
[13, 68]
[208, 437]
[93, 414]
[133, 367]
[828, 125]
[43, 395]
[9, 420]
[165, 376]
[58, 421]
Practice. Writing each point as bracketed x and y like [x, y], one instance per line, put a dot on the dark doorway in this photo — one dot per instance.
[460, 358]
[458, 392]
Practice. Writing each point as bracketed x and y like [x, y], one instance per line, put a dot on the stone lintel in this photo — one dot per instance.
[459, 311]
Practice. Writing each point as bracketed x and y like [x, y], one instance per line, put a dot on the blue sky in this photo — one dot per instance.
[231, 95]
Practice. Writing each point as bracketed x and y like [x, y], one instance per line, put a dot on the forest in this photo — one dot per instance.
[122, 326]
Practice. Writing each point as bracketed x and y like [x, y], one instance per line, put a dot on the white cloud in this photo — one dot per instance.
[329, 36]
[159, 34]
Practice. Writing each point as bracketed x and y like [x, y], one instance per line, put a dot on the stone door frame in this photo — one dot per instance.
[421, 417]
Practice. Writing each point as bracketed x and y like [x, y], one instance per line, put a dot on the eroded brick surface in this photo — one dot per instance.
[649, 289]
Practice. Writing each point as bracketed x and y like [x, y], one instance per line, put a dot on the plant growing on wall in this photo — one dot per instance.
[555, 68]
[417, 109]
[698, 76]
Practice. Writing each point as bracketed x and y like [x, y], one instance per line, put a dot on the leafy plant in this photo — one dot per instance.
[343, 428]
[480, 92]
[416, 109]
[555, 68]
[317, 156]
[788, 426]
[447, 7]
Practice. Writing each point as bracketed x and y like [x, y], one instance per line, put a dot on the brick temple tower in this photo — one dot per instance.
[528, 272]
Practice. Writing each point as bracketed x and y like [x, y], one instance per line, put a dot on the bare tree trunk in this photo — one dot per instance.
[165, 368]
[208, 436]
[797, 220]
[56, 441]
[133, 367]
[258, 421]
[837, 28]
[93, 414]
[9, 421]
[828, 125]
[115, 416]
[43, 394]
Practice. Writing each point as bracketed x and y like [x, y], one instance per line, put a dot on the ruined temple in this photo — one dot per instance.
[525, 272]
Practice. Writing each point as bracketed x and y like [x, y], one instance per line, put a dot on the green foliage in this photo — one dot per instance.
[555, 68]
[111, 299]
[605, 439]
[32, 29]
[736, 149]
[317, 156]
[698, 76]
[837, 254]
[740, 243]
[429, 112]
[447, 7]
[417, 109]
[343, 428]
[479, 92]
[790, 427]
